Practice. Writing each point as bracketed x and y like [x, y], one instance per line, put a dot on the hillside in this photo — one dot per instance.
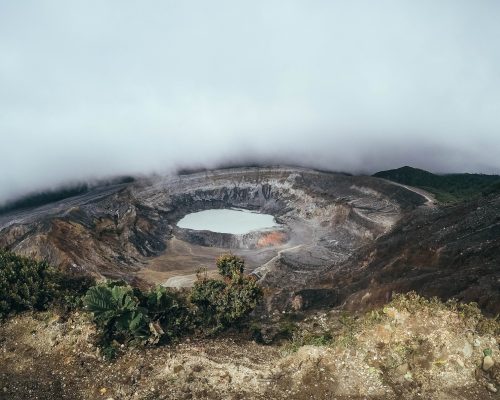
[44, 197]
[450, 251]
[447, 188]
[410, 349]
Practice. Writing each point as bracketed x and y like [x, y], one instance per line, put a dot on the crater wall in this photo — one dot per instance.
[129, 231]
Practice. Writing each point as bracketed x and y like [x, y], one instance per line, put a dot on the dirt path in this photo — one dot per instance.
[429, 197]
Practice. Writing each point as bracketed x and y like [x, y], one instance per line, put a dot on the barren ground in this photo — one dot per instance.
[419, 352]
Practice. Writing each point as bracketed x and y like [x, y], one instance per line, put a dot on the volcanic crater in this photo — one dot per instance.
[129, 231]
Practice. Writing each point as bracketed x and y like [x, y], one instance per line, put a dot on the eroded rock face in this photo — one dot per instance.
[129, 230]
[252, 241]
[448, 252]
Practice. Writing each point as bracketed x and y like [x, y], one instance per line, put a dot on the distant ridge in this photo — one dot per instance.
[44, 197]
[448, 188]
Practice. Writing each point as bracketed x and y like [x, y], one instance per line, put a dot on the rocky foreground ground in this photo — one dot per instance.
[410, 349]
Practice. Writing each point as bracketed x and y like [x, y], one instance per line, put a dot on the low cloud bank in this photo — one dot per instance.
[98, 90]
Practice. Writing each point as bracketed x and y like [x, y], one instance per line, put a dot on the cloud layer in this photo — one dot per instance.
[93, 89]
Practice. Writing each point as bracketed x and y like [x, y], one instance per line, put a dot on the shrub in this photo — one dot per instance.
[169, 312]
[224, 304]
[206, 295]
[125, 315]
[25, 284]
[241, 297]
[70, 292]
[230, 265]
[117, 313]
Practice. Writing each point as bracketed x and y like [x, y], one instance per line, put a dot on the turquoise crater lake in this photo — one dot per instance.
[234, 221]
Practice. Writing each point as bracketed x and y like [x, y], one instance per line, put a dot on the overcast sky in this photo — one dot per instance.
[96, 88]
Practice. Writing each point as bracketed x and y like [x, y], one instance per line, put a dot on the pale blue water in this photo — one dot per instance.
[233, 221]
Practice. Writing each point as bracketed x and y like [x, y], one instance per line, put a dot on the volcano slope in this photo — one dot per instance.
[448, 252]
[342, 239]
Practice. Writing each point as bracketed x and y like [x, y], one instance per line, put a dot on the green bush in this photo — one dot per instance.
[124, 314]
[27, 284]
[206, 295]
[117, 312]
[230, 265]
[221, 304]
[169, 312]
[70, 292]
[240, 298]
[129, 315]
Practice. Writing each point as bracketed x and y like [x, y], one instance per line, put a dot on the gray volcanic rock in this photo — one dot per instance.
[449, 252]
[129, 230]
[250, 240]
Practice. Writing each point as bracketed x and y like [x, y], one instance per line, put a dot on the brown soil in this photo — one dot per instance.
[429, 352]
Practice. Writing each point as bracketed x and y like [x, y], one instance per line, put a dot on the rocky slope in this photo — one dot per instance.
[411, 349]
[448, 252]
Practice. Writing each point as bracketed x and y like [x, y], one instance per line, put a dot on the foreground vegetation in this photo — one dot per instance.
[126, 315]
[27, 284]
[130, 316]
